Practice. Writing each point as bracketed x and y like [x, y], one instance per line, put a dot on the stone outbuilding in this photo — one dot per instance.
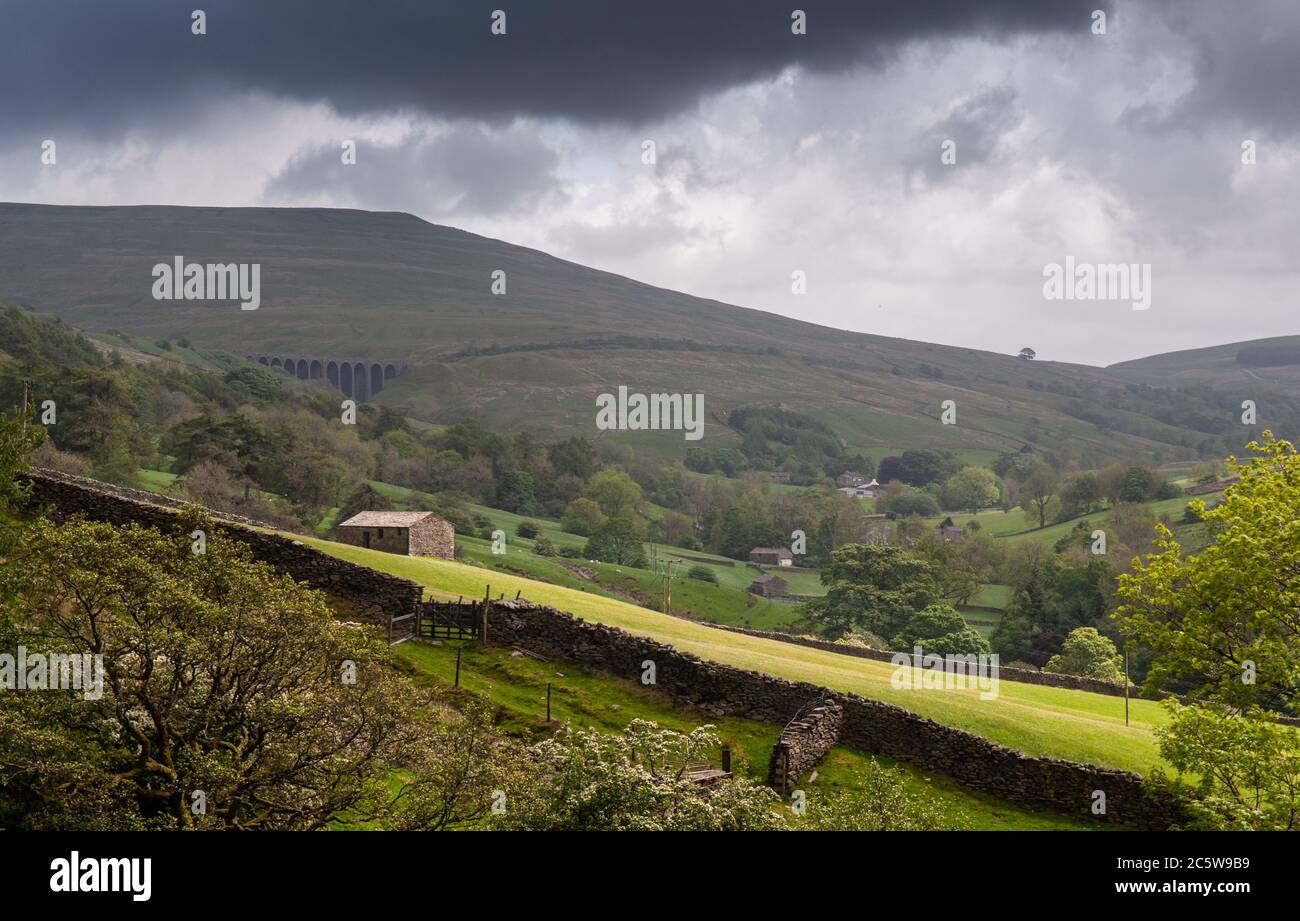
[769, 586]
[771, 556]
[407, 533]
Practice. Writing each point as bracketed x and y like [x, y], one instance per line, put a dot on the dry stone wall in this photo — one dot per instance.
[870, 726]
[804, 742]
[372, 594]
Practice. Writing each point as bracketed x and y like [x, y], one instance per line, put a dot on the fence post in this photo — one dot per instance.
[487, 603]
[548, 701]
[458, 666]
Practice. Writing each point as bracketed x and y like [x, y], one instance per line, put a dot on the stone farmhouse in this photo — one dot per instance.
[407, 533]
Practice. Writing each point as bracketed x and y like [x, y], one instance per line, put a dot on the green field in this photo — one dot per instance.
[1036, 720]
[517, 686]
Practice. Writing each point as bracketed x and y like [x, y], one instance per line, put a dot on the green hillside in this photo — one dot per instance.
[1037, 720]
[388, 285]
[518, 687]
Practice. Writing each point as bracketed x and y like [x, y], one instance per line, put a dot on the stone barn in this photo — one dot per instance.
[771, 556]
[407, 533]
[769, 586]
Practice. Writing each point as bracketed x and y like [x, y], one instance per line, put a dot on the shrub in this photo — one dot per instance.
[544, 546]
[528, 529]
[703, 573]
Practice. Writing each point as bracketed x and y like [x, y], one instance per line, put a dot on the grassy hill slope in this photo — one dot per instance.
[1036, 720]
[388, 285]
[518, 688]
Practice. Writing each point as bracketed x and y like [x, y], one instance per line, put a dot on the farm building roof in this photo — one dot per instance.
[385, 519]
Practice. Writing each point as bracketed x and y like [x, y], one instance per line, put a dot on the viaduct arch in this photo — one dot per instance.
[358, 378]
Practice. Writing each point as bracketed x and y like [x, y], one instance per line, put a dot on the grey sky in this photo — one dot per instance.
[775, 152]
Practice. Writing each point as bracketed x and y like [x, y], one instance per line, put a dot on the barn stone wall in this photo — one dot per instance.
[372, 594]
[870, 726]
[434, 536]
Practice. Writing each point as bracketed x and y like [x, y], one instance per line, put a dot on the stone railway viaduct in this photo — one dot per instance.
[359, 378]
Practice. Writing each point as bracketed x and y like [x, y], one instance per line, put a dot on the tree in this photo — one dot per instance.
[1245, 767]
[614, 491]
[515, 492]
[1140, 484]
[1224, 622]
[1088, 654]
[1037, 490]
[582, 516]
[1079, 495]
[219, 676]
[918, 468]
[365, 499]
[970, 488]
[19, 437]
[877, 588]
[899, 500]
[619, 540]
[939, 629]
[453, 775]
[1028, 354]
[1133, 525]
[585, 779]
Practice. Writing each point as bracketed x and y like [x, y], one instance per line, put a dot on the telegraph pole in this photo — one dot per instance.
[1126, 687]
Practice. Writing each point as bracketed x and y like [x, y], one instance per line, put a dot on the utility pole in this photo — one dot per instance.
[1125, 687]
[668, 589]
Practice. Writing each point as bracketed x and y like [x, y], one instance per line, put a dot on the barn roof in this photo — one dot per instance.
[386, 519]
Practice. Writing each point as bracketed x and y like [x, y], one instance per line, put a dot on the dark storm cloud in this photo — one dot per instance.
[470, 169]
[107, 65]
[976, 125]
[1246, 60]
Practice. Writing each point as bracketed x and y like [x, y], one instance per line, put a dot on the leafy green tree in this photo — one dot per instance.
[1037, 490]
[876, 588]
[899, 500]
[19, 437]
[455, 771]
[1140, 484]
[1242, 770]
[614, 491]
[938, 628]
[1088, 654]
[634, 781]
[515, 492]
[971, 488]
[1080, 495]
[1225, 623]
[364, 499]
[582, 516]
[572, 457]
[620, 540]
[218, 676]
